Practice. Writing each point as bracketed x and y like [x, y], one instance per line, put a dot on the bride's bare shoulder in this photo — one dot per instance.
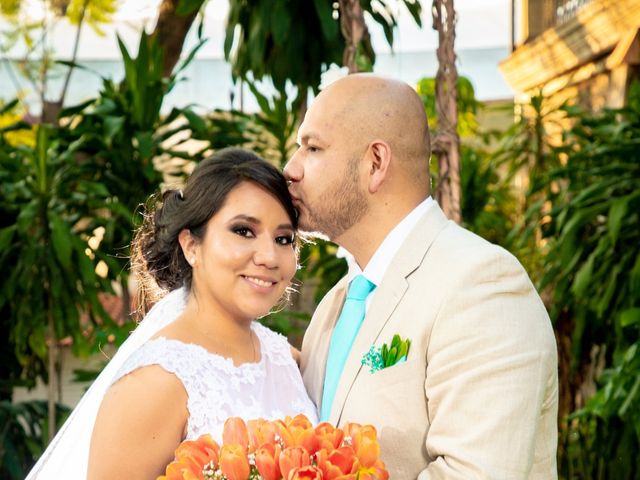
[140, 421]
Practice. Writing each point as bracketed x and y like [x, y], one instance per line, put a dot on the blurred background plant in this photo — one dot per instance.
[25, 429]
[591, 270]
[31, 37]
[52, 290]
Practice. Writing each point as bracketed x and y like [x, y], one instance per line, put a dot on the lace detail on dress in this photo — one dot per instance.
[217, 389]
[276, 346]
[279, 354]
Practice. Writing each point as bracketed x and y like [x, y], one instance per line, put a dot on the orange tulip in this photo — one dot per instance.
[200, 451]
[339, 464]
[261, 431]
[267, 457]
[329, 437]
[365, 443]
[178, 471]
[299, 420]
[175, 471]
[235, 433]
[293, 457]
[350, 428]
[190, 457]
[285, 437]
[307, 439]
[299, 432]
[186, 467]
[377, 471]
[305, 473]
[234, 463]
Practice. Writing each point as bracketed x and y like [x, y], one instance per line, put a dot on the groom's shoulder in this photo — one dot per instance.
[449, 239]
[457, 245]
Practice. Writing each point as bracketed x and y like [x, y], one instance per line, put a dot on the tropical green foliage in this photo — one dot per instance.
[526, 152]
[592, 268]
[51, 280]
[528, 148]
[269, 132]
[578, 236]
[489, 205]
[468, 106]
[125, 136]
[23, 435]
[28, 38]
[295, 41]
[68, 204]
[95, 12]
[286, 40]
[488, 201]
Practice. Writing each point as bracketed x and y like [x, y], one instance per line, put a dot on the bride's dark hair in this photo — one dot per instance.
[156, 256]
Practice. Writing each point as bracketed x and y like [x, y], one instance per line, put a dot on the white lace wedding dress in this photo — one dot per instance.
[271, 388]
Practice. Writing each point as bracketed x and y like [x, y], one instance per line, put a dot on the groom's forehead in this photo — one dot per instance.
[322, 122]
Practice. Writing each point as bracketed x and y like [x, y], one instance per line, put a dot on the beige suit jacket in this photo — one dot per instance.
[478, 395]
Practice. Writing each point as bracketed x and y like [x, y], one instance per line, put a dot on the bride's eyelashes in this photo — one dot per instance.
[285, 239]
[243, 231]
[246, 232]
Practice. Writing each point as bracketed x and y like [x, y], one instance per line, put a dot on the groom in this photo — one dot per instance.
[476, 396]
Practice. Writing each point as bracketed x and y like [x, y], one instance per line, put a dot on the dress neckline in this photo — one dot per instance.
[228, 362]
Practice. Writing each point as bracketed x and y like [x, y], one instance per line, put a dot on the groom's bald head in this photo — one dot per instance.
[366, 107]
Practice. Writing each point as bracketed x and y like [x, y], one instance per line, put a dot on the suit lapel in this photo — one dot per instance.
[329, 313]
[387, 297]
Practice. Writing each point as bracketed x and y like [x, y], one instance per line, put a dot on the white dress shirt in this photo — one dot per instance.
[376, 268]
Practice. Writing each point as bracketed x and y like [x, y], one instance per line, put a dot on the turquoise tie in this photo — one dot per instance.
[344, 334]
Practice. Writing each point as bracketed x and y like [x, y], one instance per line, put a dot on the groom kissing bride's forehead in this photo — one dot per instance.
[435, 336]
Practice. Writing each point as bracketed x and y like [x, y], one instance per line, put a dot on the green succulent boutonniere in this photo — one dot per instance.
[378, 358]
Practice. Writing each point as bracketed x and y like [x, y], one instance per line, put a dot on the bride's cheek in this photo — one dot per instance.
[291, 266]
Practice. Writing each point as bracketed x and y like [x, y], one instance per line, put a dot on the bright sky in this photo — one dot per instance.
[480, 24]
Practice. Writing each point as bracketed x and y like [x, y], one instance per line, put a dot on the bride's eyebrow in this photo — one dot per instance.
[256, 221]
[246, 218]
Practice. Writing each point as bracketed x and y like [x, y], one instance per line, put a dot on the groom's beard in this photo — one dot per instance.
[338, 208]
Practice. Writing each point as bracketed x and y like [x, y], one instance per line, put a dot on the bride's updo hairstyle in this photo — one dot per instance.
[156, 256]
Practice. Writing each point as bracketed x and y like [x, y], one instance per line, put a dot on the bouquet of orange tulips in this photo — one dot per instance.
[289, 449]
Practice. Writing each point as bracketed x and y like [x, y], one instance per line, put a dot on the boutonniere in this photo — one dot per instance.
[385, 356]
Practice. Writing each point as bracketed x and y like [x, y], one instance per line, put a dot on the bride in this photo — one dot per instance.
[226, 249]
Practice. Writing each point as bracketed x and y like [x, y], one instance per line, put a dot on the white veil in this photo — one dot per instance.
[67, 455]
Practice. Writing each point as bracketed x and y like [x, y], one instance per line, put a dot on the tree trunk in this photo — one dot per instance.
[447, 142]
[50, 111]
[74, 55]
[353, 29]
[171, 30]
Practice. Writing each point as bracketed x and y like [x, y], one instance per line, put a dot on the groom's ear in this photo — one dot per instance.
[380, 158]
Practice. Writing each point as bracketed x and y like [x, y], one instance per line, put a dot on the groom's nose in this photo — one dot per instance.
[293, 169]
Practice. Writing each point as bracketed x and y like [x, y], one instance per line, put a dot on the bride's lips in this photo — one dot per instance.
[261, 283]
